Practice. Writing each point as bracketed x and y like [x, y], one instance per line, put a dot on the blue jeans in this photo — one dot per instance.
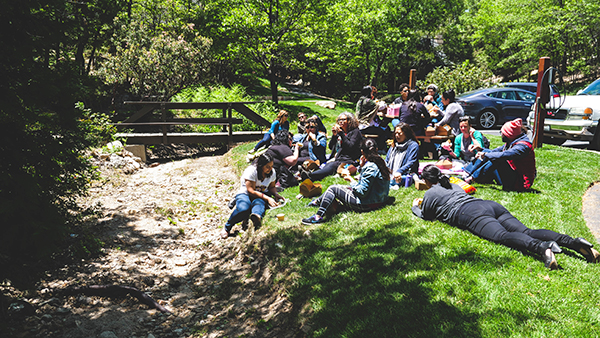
[244, 206]
[266, 141]
[487, 171]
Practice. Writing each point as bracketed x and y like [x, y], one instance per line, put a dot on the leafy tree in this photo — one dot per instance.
[155, 66]
[513, 34]
[377, 42]
[461, 78]
[270, 32]
[42, 165]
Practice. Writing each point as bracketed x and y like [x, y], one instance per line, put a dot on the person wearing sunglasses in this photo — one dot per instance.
[344, 145]
[315, 142]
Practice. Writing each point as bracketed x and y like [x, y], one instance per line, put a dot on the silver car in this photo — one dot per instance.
[577, 118]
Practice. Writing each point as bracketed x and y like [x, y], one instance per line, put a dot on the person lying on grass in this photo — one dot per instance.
[368, 193]
[449, 203]
[251, 200]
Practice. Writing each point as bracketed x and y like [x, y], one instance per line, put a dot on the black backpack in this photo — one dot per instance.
[486, 142]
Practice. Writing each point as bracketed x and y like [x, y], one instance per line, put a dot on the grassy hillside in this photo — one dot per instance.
[389, 274]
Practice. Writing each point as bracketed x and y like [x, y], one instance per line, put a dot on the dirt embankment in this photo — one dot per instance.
[160, 229]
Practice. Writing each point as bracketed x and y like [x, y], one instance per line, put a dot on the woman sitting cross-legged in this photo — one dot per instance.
[403, 156]
[368, 193]
[251, 199]
[449, 203]
[467, 143]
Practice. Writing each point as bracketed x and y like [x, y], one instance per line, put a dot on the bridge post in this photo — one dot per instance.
[412, 80]
[542, 98]
[164, 119]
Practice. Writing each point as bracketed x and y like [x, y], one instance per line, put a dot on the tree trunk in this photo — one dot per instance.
[273, 80]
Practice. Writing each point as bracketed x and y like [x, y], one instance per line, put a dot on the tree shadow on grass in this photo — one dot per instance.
[375, 286]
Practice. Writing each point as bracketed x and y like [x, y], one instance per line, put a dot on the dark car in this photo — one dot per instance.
[492, 106]
[528, 86]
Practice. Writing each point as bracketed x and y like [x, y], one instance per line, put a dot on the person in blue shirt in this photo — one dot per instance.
[315, 142]
[280, 123]
[368, 193]
[433, 101]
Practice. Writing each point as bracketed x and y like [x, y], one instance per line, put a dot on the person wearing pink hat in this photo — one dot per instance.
[511, 165]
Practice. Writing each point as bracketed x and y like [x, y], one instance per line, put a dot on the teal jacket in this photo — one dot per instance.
[372, 187]
[458, 142]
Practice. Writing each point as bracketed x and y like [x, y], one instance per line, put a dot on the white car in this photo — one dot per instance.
[577, 118]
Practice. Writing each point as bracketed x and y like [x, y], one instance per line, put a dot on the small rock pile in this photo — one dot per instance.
[117, 158]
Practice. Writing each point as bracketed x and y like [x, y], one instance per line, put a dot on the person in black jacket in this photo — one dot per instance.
[344, 145]
[449, 203]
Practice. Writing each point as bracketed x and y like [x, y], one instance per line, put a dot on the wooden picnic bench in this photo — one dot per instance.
[165, 136]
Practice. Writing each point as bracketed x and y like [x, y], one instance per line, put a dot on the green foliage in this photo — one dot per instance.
[461, 78]
[513, 35]
[157, 66]
[96, 126]
[270, 33]
[233, 93]
[42, 163]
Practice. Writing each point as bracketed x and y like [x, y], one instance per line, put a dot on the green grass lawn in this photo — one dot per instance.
[388, 273]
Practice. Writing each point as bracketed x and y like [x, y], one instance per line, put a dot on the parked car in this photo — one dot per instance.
[528, 86]
[492, 106]
[577, 118]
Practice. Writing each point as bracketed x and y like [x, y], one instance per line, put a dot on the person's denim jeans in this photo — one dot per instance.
[266, 141]
[244, 206]
[483, 171]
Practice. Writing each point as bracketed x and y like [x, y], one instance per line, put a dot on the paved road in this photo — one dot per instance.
[568, 144]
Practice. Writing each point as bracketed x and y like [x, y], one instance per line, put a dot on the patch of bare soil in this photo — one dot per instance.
[160, 227]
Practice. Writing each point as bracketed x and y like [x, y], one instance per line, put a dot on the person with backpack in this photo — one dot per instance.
[511, 165]
[468, 143]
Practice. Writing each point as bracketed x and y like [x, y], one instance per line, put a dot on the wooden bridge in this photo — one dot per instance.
[166, 137]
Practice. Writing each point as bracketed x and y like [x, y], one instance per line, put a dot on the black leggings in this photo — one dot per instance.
[493, 222]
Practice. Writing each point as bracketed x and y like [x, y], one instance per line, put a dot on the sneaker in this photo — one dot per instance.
[304, 175]
[256, 221]
[251, 151]
[224, 234]
[313, 203]
[231, 203]
[314, 219]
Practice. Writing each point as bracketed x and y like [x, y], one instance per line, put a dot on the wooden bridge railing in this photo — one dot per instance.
[165, 137]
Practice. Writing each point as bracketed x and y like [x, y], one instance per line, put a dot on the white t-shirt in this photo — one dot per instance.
[250, 174]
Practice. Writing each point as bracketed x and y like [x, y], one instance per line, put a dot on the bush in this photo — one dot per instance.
[234, 93]
[462, 78]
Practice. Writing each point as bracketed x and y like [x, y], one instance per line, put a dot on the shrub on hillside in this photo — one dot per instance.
[461, 78]
[234, 93]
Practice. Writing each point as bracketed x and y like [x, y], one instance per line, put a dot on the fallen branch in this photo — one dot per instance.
[116, 291]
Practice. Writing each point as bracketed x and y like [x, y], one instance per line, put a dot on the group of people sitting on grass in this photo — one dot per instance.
[511, 165]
